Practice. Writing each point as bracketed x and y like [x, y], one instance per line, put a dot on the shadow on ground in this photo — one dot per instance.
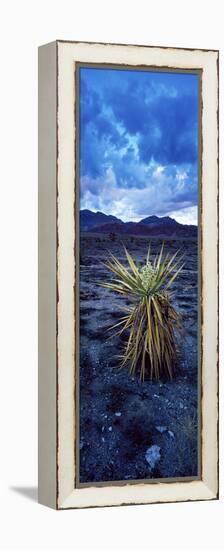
[29, 492]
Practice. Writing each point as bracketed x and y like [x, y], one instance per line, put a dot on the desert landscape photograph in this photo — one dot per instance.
[139, 275]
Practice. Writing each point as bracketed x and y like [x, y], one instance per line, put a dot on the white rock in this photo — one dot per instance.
[152, 456]
[118, 414]
[110, 428]
[161, 429]
[170, 433]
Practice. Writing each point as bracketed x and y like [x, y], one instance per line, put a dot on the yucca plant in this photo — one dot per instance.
[151, 321]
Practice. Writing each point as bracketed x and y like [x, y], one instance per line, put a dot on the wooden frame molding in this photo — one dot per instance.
[57, 238]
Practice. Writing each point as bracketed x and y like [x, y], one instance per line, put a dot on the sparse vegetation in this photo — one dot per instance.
[112, 237]
[151, 321]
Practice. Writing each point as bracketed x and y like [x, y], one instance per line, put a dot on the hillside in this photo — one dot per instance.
[98, 222]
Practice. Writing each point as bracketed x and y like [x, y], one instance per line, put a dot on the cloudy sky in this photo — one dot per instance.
[138, 143]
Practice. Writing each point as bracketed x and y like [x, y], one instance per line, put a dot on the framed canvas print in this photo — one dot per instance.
[128, 274]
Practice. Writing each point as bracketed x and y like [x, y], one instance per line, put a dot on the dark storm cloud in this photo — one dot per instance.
[170, 133]
[98, 134]
[166, 126]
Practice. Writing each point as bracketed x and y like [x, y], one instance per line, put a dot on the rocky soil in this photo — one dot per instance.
[130, 430]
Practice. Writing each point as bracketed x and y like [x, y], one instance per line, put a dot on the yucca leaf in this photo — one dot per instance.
[160, 256]
[174, 276]
[132, 264]
[148, 254]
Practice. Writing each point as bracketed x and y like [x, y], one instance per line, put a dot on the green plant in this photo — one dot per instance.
[151, 320]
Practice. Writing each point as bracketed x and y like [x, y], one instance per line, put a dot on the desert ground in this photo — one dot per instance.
[129, 430]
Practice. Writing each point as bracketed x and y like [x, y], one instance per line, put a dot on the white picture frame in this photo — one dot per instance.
[57, 238]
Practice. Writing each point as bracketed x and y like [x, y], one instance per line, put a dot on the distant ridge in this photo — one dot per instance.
[98, 222]
[89, 219]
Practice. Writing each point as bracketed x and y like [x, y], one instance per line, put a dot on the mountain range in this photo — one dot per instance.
[98, 222]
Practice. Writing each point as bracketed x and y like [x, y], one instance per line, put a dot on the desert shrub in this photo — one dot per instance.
[112, 237]
[150, 321]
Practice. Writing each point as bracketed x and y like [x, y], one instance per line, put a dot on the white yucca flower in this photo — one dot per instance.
[147, 274]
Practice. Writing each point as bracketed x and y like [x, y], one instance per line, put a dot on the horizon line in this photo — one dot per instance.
[148, 216]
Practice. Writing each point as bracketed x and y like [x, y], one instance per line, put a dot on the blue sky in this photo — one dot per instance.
[139, 143]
